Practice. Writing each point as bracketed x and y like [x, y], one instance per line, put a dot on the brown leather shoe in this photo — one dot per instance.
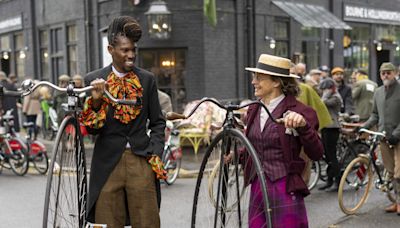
[398, 209]
[392, 208]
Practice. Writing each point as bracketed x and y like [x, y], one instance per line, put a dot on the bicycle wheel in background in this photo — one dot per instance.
[41, 162]
[66, 191]
[18, 159]
[172, 159]
[315, 175]
[355, 185]
[222, 197]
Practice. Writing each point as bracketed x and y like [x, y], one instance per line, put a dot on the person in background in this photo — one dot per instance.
[385, 114]
[344, 90]
[10, 102]
[324, 71]
[165, 101]
[277, 89]
[31, 109]
[60, 97]
[330, 134]
[78, 80]
[309, 97]
[363, 95]
[313, 79]
[301, 71]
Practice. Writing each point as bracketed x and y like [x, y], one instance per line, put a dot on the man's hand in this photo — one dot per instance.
[393, 140]
[98, 88]
[293, 120]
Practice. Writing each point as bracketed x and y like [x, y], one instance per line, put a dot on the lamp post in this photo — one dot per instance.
[159, 20]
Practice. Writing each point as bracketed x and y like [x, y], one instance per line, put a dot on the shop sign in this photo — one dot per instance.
[11, 24]
[370, 15]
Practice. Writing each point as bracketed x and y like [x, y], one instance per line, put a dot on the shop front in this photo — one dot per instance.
[374, 39]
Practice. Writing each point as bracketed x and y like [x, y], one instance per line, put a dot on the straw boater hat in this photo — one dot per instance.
[273, 65]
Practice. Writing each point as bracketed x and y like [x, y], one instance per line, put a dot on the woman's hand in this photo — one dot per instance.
[98, 88]
[294, 120]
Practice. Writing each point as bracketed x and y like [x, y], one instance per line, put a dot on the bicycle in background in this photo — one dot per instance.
[172, 155]
[359, 176]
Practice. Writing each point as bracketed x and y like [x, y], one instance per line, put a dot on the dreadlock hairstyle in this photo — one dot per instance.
[124, 26]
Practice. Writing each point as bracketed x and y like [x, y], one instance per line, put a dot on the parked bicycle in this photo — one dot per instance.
[172, 155]
[15, 159]
[33, 149]
[358, 177]
[66, 190]
[222, 195]
[348, 147]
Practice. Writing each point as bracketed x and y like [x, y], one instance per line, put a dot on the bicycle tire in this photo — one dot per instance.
[18, 159]
[359, 171]
[66, 190]
[172, 165]
[207, 211]
[315, 175]
[41, 162]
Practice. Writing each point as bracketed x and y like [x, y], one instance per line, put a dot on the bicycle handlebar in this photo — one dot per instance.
[28, 86]
[5, 92]
[175, 116]
[377, 133]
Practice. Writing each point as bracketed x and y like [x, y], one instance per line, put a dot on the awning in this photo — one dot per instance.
[312, 15]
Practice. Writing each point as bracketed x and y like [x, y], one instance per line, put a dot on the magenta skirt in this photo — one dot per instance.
[287, 210]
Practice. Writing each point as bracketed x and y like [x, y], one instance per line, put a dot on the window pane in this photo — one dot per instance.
[20, 66]
[310, 32]
[311, 53]
[5, 43]
[57, 40]
[44, 38]
[19, 41]
[71, 33]
[281, 49]
[281, 30]
[44, 61]
[72, 60]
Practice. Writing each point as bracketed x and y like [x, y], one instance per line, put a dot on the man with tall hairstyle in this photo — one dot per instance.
[123, 187]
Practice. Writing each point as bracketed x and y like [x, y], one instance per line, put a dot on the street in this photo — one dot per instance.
[23, 198]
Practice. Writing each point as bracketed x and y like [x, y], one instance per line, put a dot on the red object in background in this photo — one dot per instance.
[37, 147]
[361, 172]
[15, 145]
[70, 129]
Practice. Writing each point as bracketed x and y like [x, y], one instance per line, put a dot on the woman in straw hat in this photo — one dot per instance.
[278, 145]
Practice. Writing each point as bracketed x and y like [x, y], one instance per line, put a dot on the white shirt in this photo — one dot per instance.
[271, 107]
[120, 75]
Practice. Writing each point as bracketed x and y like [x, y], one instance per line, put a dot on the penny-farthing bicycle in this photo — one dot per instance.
[66, 190]
[222, 194]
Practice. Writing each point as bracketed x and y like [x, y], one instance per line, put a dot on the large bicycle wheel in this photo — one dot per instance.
[355, 185]
[66, 191]
[222, 196]
[315, 175]
[172, 159]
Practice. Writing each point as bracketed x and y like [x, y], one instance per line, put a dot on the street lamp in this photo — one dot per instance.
[159, 20]
[272, 42]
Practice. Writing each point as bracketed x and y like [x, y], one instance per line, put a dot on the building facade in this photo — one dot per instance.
[43, 39]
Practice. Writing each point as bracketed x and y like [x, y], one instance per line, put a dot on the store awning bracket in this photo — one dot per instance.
[312, 16]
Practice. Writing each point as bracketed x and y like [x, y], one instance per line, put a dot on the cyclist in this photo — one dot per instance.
[385, 113]
[278, 145]
[123, 186]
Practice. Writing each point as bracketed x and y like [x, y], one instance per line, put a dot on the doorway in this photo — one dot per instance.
[5, 65]
[381, 57]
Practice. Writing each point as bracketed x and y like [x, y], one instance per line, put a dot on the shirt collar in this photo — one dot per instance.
[274, 102]
[118, 74]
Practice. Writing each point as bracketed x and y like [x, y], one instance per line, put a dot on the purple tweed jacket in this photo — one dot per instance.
[291, 145]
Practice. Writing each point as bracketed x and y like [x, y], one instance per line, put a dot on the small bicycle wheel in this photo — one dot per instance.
[223, 195]
[66, 191]
[172, 160]
[19, 161]
[315, 175]
[41, 162]
[355, 185]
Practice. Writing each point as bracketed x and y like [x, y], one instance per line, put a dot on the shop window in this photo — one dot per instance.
[44, 54]
[57, 53]
[5, 64]
[310, 46]
[168, 65]
[356, 52]
[72, 50]
[281, 35]
[19, 55]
